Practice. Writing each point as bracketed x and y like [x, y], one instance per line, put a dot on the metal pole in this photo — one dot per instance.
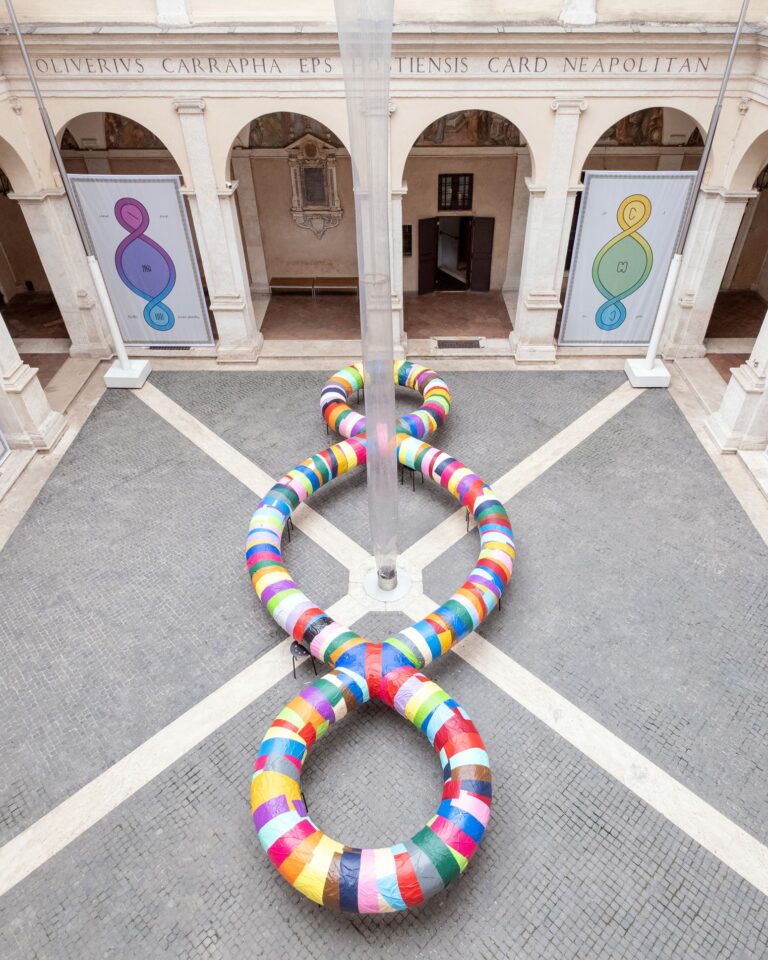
[49, 130]
[646, 372]
[93, 265]
[712, 127]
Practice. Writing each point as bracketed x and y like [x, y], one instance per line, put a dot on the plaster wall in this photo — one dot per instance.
[494, 181]
[750, 269]
[19, 248]
[293, 251]
[723, 11]
[406, 11]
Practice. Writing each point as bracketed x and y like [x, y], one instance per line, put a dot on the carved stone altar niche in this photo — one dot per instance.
[315, 204]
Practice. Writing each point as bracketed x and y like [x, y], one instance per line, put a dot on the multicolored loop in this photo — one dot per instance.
[401, 876]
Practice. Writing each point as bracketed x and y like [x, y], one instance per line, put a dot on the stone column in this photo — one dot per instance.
[713, 233]
[249, 217]
[219, 241]
[546, 239]
[61, 253]
[511, 286]
[741, 422]
[26, 419]
[398, 312]
[579, 12]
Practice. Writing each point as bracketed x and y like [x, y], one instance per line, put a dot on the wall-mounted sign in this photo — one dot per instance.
[626, 235]
[4, 448]
[140, 233]
[511, 62]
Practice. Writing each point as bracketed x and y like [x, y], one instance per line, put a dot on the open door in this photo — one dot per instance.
[427, 254]
[481, 251]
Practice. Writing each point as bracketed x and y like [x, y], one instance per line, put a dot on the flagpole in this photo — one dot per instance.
[124, 372]
[650, 371]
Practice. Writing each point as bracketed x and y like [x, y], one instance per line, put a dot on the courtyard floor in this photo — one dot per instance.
[621, 690]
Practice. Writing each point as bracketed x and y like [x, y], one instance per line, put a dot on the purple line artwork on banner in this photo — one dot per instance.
[143, 265]
[142, 238]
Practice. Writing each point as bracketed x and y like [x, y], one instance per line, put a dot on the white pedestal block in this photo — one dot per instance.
[131, 377]
[640, 374]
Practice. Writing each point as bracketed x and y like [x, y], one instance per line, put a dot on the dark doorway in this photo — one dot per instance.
[455, 253]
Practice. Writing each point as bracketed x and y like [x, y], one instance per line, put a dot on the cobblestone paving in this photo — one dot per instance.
[641, 594]
[572, 865]
[497, 419]
[125, 601]
[115, 633]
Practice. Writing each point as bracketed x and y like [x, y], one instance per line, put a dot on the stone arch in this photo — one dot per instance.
[15, 168]
[224, 127]
[604, 114]
[158, 117]
[750, 163]
[419, 116]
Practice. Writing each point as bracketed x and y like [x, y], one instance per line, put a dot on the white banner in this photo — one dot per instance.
[140, 233]
[626, 235]
[4, 448]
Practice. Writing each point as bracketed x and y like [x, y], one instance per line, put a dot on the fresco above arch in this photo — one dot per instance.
[470, 128]
[279, 130]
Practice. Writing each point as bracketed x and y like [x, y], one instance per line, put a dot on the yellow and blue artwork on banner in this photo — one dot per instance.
[626, 234]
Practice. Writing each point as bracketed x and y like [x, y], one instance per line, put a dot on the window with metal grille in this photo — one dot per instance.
[454, 191]
[407, 240]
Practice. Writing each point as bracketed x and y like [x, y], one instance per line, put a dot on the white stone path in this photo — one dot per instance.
[64, 823]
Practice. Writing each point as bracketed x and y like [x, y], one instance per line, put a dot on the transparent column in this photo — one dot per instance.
[365, 39]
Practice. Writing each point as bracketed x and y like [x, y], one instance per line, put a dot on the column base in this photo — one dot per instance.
[725, 440]
[684, 351]
[43, 439]
[533, 352]
[737, 423]
[640, 375]
[757, 464]
[95, 352]
[240, 352]
[131, 377]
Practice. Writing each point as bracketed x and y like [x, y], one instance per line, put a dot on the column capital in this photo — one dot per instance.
[534, 189]
[729, 196]
[400, 191]
[569, 105]
[38, 196]
[191, 105]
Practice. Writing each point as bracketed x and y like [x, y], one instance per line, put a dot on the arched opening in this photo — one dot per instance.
[463, 227]
[742, 302]
[654, 138]
[26, 301]
[107, 143]
[297, 220]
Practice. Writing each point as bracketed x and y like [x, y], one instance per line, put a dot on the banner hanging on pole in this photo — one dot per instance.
[140, 234]
[626, 235]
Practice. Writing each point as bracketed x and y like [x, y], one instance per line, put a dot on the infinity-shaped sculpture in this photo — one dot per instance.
[624, 263]
[405, 874]
[143, 265]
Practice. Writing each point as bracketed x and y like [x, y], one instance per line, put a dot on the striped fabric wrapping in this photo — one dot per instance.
[406, 874]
